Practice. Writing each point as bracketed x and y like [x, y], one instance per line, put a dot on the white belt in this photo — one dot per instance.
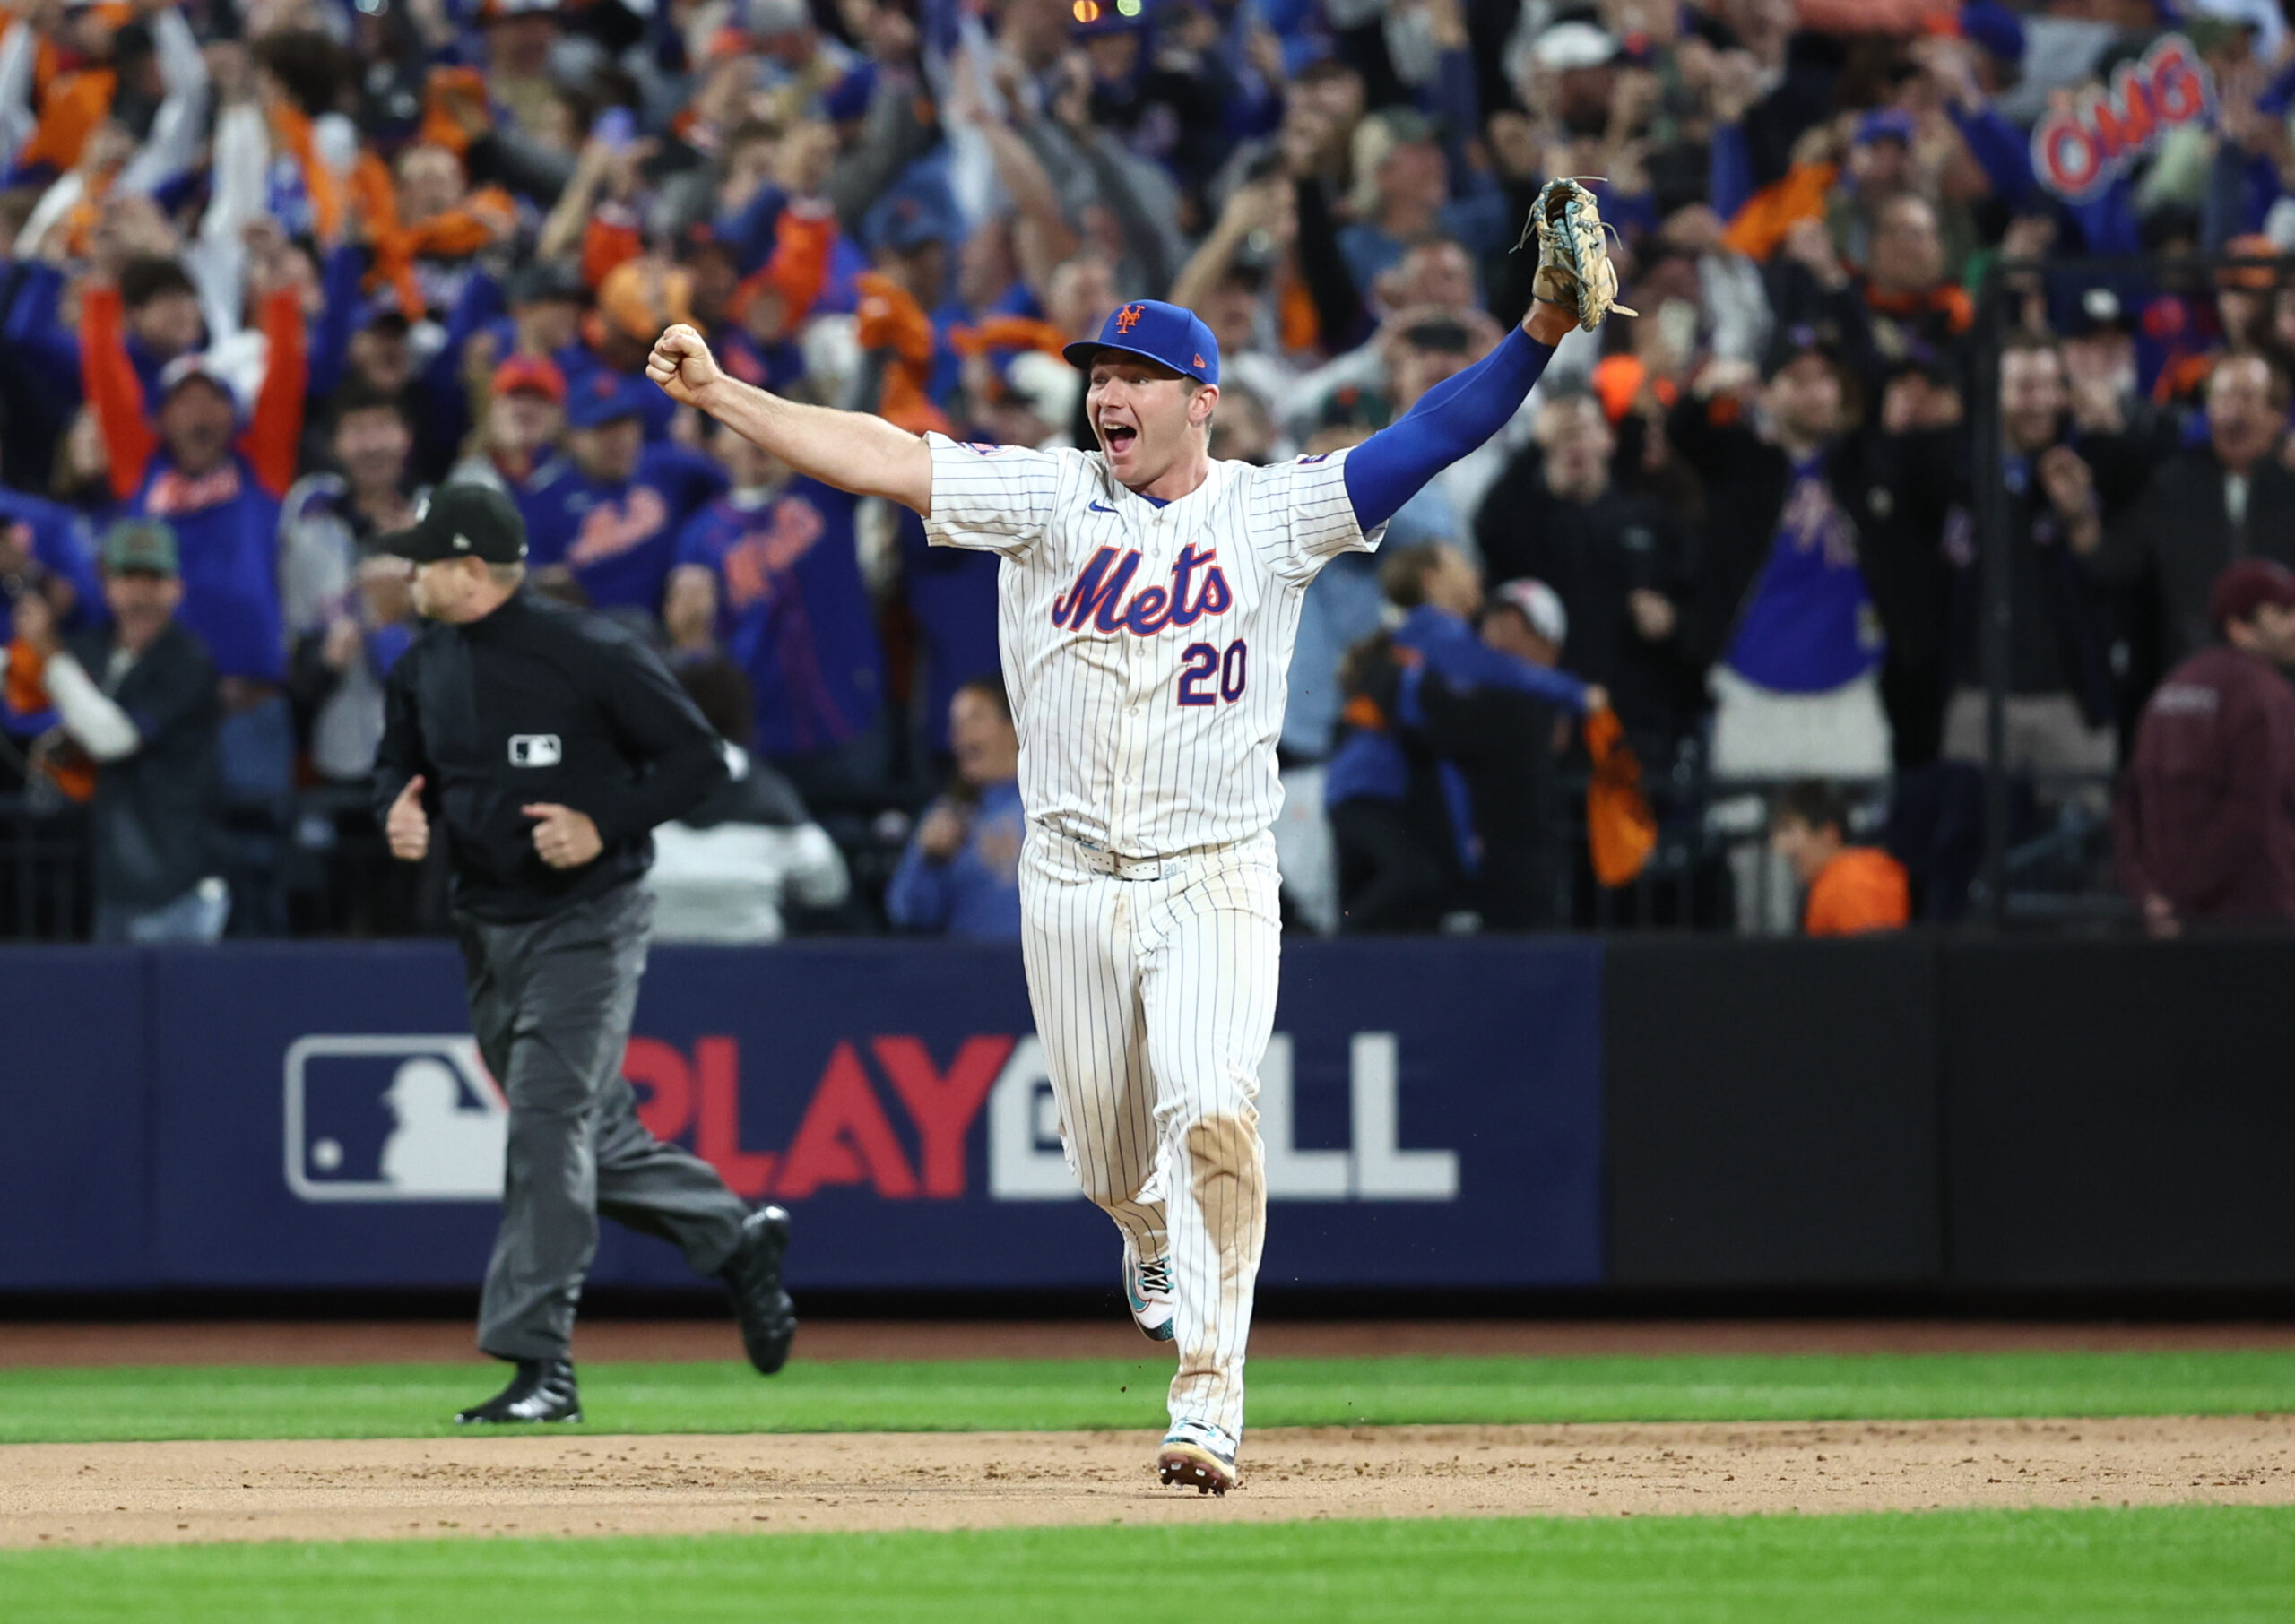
[1091, 855]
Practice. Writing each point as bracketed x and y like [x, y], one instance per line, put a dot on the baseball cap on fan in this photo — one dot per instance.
[1154, 330]
[606, 396]
[198, 366]
[1541, 605]
[459, 522]
[2247, 586]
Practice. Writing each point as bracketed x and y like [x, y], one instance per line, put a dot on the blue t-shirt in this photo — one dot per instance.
[794, 612]
[1810, 626]
[976, 894]
[619, 537]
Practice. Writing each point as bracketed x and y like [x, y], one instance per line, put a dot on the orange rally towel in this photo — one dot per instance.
[1620, 831]
[1008, 333]
[1760, 227]
[26, 683]
[891, 319]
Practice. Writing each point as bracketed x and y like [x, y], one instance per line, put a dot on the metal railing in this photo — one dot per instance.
[44, 895]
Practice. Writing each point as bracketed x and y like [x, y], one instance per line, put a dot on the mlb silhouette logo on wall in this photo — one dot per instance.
[392, 1118]
[2079, 149]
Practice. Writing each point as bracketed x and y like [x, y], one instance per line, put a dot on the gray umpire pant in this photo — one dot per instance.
[551, 1005]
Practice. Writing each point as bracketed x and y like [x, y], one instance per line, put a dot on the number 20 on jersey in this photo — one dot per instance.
[1201, 663]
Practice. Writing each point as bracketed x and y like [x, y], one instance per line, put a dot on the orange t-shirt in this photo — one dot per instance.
[1862, 889]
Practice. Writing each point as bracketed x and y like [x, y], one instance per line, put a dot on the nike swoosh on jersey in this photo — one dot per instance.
[1100, 507]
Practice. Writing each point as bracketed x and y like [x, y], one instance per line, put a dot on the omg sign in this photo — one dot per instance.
[2078, 151]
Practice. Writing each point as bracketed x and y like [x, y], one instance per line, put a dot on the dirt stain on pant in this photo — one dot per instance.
[1229, 1175]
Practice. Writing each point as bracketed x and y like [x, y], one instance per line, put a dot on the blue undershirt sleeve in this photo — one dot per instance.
[1486, 666]
[1450, 420]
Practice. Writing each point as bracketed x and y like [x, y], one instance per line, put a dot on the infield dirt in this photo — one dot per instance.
[526, 1484]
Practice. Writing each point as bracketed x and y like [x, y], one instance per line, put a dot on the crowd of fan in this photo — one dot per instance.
[272, 268]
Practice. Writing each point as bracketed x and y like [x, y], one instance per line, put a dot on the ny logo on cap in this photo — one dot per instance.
[1126, 318]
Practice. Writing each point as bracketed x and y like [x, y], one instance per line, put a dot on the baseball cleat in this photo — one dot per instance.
[1199, 1455]
[768, 1319]
[1148, 1289]
[542, 1390]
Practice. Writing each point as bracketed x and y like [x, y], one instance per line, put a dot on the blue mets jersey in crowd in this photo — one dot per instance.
[1809, 625]
[794, 612]
[619, 537]
[952, 593]
[227, 533]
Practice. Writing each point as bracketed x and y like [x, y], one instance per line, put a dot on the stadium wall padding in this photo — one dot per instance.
[1773, 1113]
[2119, 1116]
[312, 1116]
[1526, 1115]
[75, 1163]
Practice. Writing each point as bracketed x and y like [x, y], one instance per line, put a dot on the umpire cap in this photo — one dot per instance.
[459, 522]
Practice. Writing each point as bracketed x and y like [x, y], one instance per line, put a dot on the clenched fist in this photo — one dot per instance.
[563, 837]
[682, 366]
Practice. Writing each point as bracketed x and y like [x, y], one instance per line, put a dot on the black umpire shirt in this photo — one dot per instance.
[538, 703]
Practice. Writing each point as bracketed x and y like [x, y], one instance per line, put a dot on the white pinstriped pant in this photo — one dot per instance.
[1154, 1000]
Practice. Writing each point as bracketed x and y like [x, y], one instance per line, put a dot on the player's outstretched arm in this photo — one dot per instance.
[1451, 418]
[851, 449]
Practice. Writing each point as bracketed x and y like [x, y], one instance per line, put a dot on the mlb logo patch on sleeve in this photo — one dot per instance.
[535, 750]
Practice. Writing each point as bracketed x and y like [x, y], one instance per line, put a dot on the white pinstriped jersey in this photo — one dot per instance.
[1147, 649]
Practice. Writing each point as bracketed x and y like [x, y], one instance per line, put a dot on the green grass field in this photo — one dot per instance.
[2222, 1565]
[414, 1401]
[2226, 1566]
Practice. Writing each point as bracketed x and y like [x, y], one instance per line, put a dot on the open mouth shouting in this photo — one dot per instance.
[1118, 435]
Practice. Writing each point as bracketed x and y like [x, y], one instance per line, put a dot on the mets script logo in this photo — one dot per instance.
[1198, 589]
[174, 493]
[611, 529]
[764, 556]
[1126, 318]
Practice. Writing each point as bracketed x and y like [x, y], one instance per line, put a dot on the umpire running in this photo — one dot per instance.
[547, 743]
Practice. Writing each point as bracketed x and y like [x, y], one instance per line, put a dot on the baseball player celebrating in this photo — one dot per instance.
[1149, 597]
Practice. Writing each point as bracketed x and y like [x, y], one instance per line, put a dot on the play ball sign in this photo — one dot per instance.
[2079, 150]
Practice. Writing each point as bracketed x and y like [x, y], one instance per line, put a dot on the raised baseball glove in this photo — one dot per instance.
[1574, 270]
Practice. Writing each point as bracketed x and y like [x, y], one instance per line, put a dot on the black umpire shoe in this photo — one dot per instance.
[542, 1390]
[768, 1319]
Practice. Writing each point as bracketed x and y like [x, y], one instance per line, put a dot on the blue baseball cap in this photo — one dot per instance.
[920, 209]
[1154, 330]
[605, 396]
[1885, 124]
[1992, 25]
